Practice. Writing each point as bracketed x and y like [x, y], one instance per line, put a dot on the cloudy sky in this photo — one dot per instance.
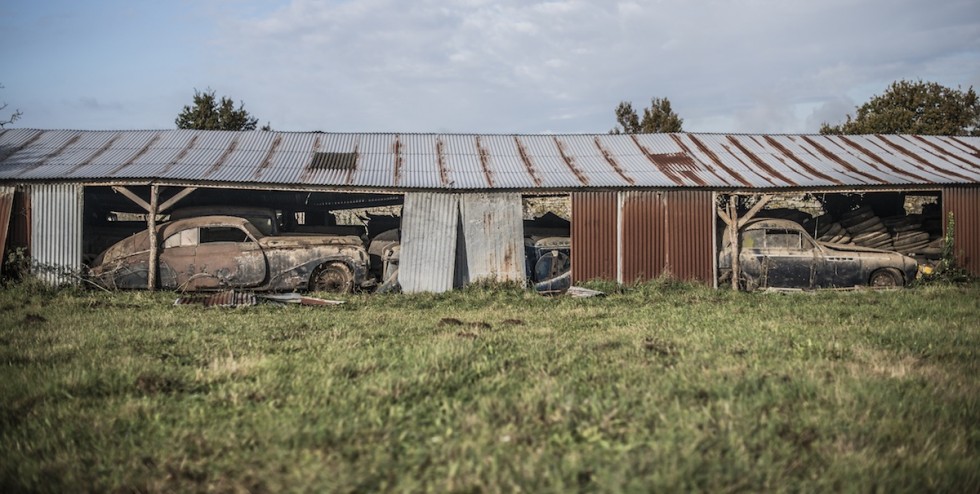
[493, 66]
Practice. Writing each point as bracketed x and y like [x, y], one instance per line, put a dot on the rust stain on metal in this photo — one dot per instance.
[441, 162]
[98, 153]
[181, 154]
[964, 204]
[695, 161]
[945, 153]
[398, 159]
[973, 150]
[143, 150]
[922, 161]
[26, 143]
[308, 169]
[594, 235]
[877, 159]
[803, 164]
[747, 167]
[760, 162]
[570, 162]
[221, 159]
[484, 161]
[526, 159]
[714, 158]
[612, 162]
[357, 158]
[266, 160]
[661, 162]
[43, 161]
[840, 161]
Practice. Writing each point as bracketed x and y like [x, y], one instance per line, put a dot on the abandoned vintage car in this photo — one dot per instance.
[219, 252]
[777, 253]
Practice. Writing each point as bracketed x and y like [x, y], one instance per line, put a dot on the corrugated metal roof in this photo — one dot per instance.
[494, 161]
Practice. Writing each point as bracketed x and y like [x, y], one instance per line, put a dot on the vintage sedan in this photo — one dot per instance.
[777, 253]
[221, 252]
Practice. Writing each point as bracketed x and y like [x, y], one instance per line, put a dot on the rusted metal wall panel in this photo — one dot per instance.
[428, 244]
[595, 232]
[493, 233]
[6, 205]
[56, 232]
[644, 218]
[964, 203]
[690, 220]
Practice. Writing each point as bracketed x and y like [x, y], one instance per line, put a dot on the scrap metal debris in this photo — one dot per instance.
[235, 298]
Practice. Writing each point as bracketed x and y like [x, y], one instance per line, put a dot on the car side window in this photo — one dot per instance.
[183, 238]
[783, 239]
[753, 239]
[223, 234]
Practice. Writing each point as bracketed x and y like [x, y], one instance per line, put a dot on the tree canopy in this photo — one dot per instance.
[210, 113]
[906, 107]
[659, 117]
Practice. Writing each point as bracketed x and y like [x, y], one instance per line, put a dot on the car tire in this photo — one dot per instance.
[333, 277]
[885, 278]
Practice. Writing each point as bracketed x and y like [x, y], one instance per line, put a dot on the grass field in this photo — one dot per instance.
[663, 387]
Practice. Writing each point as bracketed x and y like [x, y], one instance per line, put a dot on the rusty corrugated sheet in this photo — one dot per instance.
[6, 205]
[56, 232]
[493, 234]
[595, 233]
[428, 243]
[690, 220]
[482, 162]
[644, 233]
[964, 203]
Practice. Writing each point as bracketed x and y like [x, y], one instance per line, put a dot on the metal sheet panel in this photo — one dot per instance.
[644, 241]
[56, 232]
[690, 220]
[6, 205]
[595, 232]
[428, 245]
[493, 161]
[964, 203]
[493, 234]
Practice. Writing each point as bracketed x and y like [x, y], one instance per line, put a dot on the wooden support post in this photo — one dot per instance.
[733, 238]
[151, 224]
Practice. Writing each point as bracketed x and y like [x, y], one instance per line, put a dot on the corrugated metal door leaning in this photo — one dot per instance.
[56, 232]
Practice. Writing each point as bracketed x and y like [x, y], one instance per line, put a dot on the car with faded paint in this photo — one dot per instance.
[778, 253]
[221, 252]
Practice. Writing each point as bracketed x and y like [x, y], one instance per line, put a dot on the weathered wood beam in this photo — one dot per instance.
[151, 224]
[724, 216]
[755, 209]
[132, 197]
[733, 238]
[169, 203]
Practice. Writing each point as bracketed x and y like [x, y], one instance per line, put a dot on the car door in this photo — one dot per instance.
[836, 269]
[212, 256]
[789, 262]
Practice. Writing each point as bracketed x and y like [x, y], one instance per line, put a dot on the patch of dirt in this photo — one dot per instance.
[513, 322]
[34, 319]
[450, 321]
[151, 384]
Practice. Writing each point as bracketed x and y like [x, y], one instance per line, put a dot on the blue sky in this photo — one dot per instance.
[496, 66]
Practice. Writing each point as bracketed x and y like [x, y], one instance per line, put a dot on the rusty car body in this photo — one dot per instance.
[778, 253]
[221, 252]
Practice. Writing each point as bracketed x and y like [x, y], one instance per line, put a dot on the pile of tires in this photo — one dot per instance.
[913, 234]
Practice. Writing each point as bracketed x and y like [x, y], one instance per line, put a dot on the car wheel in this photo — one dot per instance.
[332, 277]
[885, 278]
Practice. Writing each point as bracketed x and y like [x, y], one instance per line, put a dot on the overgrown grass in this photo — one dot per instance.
[662, 387]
